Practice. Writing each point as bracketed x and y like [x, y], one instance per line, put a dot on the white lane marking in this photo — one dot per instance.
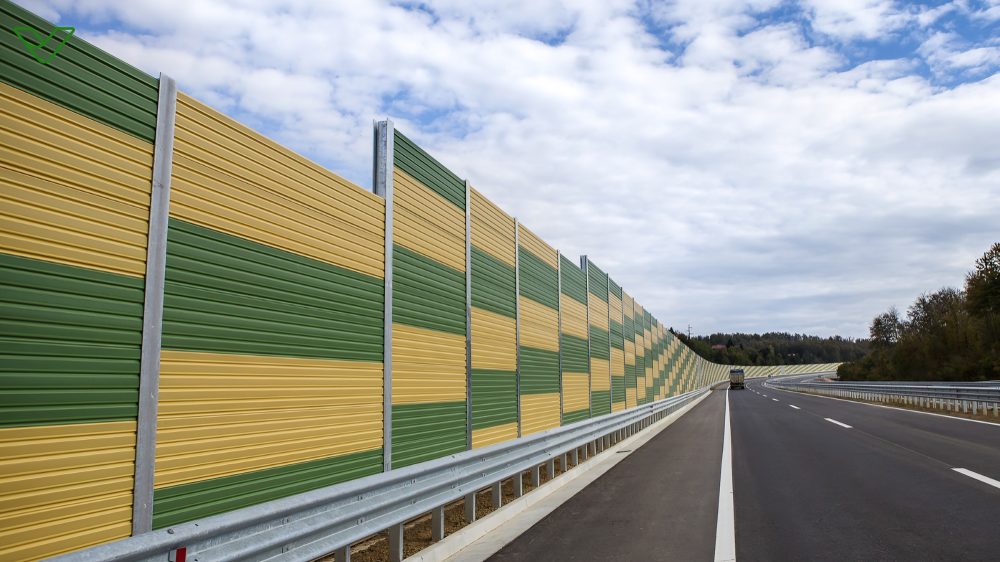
[978, 476]
[775, 399]
[796, 407]
[725, 529]
[837, 422]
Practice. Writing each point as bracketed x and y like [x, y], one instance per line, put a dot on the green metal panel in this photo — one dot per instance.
[494, 398]
[539, 280]
[629, 376]
[614, 288]
[574, 283]
[573, 417]
[493, 284]
[539, 371]
[225, 294]
[598, 281]
[601, 402]
[187, 502]
[617, 341]
[599, 344]
[413, 160]
[70, 343]
[574, 354]
[618, 388]
[426, 293]
[81, 77]
[423, 432]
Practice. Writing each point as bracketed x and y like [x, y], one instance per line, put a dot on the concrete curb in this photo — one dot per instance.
[483, 538]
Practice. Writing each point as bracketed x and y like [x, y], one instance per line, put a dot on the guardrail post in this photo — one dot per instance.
[343, 554]
[562, 462]
[437, 524]
[551, 468]
[576, 457]
[497, 500]
[518, 482]
[396, 543]
[536, 476]
[470, 507]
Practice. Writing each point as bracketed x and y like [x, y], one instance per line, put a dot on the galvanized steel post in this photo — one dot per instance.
[611, 380]
[590, 374]
[517, 315]
[468, 317]
[382, 179]
[152, 313]
[559, 313]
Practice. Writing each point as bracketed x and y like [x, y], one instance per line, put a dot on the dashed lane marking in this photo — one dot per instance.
[796, 407]
[775, 399]
[838, 423]
[978, 476]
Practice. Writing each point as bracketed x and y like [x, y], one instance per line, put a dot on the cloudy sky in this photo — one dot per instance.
[737, 165]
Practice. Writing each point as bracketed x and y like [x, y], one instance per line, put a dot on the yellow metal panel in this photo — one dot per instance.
[617, 406]
[232, 179]
[222, 414]
[627, 304]
[72, 190]
[617, 362]
[539, 412]
[574, 317]
[427, 366]
[492, 435]
[600, 370]
[536, 246]
[427, 223]
[576, 392]
[630, 400]
[615, 304]
[539, 326]
[629, 352]
[494, 341]
[492, 229]
[598, 313]
[64, 487]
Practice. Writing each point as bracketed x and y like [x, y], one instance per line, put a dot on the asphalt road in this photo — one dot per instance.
[806, 488]
[660, 503]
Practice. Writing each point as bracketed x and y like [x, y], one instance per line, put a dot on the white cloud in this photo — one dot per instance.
[726, 172]
[944, 53]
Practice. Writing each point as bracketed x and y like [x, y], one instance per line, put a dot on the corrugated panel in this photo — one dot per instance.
[537, 246]
[80, 78]
[574, 318]
[599, 347]
[64, 487]
[599, 314]
[539, 371]
[539, 326]
[423, 432]
[493, 284]
[73, 191]
[492, 229]
[494, 338]
[427, 366]
[225, 294]
[71, 342]
[427, 223]
[493, 435]
[576, 398]
[539, 412]
[494, 400]
[221, 415]
[419, 165]
[539, 281]
[426, 293]
[598, 282]
[234, 180]
[574, 282]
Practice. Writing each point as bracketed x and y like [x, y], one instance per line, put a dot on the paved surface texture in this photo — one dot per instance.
[884, 489]
[660, 503]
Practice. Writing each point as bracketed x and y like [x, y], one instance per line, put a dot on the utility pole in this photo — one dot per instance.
[689, 331]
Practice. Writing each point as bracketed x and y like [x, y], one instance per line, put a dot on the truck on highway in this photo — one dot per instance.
[736, 378]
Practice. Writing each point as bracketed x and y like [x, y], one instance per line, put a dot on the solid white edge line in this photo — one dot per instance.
[886, 407]
[838, 423]
[725, 530]
[977, 476]
[796, 407]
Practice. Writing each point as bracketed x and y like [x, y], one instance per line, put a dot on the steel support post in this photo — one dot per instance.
[518, 482]
[550, 467]
[576, 457]
[437, 523]
[468, 316]
[562, 462]
[470, 507]
[536, 476]
[382, 180]
[343, 554]
[497, 499]
[396, 543]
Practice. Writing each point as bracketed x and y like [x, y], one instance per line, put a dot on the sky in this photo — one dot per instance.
[735, 165]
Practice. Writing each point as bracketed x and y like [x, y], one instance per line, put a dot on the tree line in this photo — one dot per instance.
[774, 348]
[948, 335]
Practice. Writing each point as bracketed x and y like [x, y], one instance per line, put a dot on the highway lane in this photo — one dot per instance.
[660, 503]
[806, 488]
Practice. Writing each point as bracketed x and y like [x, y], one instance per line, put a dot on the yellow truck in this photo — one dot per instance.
[736, 378]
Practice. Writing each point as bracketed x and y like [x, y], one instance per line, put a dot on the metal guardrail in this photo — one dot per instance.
[937, 395]
[307, 526]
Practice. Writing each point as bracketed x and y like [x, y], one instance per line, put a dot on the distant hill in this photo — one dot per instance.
[775, 348]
